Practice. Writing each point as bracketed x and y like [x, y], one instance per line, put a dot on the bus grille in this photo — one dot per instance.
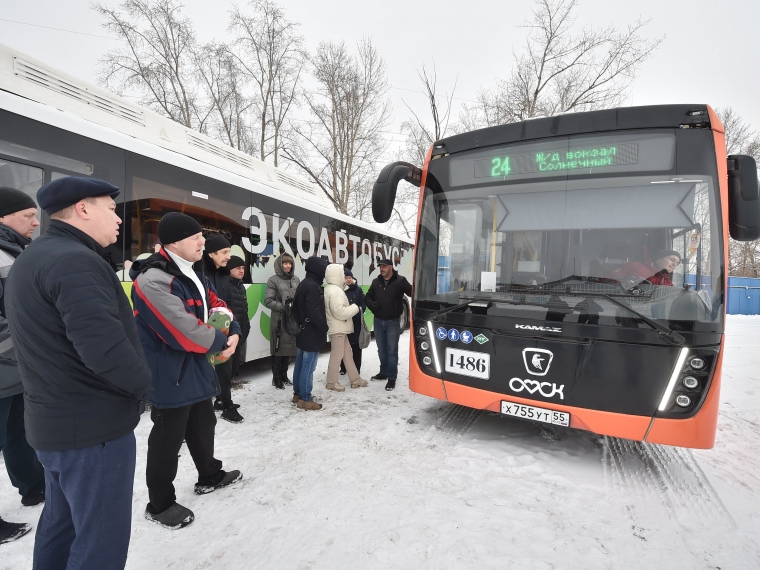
[227, 153]
[293, 181]
[49, 80]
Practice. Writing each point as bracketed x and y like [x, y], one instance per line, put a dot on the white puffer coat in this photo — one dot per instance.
[339, 312]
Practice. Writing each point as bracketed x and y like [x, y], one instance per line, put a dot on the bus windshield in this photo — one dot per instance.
[551, 232]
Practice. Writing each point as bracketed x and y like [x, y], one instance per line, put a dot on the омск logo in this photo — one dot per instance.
[537, 360]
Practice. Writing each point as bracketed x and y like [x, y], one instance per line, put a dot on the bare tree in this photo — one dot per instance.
[741, 138]
[420, 134]
[561, 70]
[223, 82]
[157, 62]
[271, 53]
[340, 145]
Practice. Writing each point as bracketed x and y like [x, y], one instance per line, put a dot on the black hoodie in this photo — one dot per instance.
[310, 306]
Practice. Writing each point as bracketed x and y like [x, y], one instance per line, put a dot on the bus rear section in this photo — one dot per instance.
[571, 271]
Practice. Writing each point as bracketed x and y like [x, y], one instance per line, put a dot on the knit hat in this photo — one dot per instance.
[235, 261]
[12, 201]
[175, 226]
[347, 273]
[666, 252]
[215, 242]
[69, 190]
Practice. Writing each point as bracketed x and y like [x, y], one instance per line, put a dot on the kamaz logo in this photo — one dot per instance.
[538, 328]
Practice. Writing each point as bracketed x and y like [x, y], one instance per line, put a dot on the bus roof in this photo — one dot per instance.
[50, 96]
[622, 118]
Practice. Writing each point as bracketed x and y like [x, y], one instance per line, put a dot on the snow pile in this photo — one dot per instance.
[399, 480]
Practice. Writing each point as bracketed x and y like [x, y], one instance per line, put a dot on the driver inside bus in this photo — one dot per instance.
[658, 273]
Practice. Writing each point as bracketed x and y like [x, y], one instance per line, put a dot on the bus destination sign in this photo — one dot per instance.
[502, 166]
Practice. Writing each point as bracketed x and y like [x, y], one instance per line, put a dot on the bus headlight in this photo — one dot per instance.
[690, 382]
[683, 400]
[424, 345]
[697, 363]
[427, 361]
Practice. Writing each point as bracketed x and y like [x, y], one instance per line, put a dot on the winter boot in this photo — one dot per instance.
[218, 405]
[11, 531]
[378, 377]
[232, 415]
[359, 383]
[390, 386]
[33, 500]
[277, 382]
[336, 387]
[277, 372]
[284, 371]
[309, 405]
[174, 518]
[296, 398]
[225, 479]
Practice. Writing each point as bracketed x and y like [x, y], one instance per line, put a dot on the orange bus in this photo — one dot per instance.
[572, 269]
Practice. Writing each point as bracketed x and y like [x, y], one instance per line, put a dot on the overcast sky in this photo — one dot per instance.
[711, 52]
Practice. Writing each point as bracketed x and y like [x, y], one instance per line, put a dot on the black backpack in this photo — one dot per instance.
[290, 318]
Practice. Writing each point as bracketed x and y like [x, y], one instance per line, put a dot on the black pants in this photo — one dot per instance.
[280, 366]
[21, 462]
[195, 424]
[224, 374]
[357, 358]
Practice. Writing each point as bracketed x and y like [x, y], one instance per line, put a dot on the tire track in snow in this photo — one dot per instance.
[662, 475]
[458, 419]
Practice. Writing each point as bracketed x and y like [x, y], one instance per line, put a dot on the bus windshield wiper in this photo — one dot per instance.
[440, 312]
[668, 334]
[665, 333]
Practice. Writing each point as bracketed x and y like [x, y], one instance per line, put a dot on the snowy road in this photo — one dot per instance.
[399, 480]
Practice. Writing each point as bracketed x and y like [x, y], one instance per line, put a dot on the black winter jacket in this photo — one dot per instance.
[356, 296]
[310, 306]
[385, 298]
[80, 358]
[239, 304]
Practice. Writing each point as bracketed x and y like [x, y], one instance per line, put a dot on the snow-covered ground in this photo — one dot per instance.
[399, 480]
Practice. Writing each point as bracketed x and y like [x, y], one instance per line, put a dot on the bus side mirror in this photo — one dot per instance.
[743, 198]
[384, 190]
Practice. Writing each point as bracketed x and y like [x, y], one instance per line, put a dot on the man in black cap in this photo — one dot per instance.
[172, 303]
[84, 374]
[18, 220]
[385, 299]
[216, 255]
[239, 305]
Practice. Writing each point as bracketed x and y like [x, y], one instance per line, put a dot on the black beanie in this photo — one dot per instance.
[215, 242]
[175, 227]
[12, 201]
[235, 261]
[667, 252]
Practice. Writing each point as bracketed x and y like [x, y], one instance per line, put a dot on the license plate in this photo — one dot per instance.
[468, 363]
[533, 413]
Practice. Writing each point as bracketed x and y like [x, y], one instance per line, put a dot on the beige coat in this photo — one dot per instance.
[337, 309]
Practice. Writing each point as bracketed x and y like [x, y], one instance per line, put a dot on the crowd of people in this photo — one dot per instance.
[79, 363]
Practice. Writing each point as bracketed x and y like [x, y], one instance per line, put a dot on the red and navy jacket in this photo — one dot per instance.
[169, 315]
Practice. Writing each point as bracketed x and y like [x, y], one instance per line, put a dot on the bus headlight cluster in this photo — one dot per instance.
[426, 347]
[688, 381]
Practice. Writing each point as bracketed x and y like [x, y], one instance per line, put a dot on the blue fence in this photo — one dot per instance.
[743, 296]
